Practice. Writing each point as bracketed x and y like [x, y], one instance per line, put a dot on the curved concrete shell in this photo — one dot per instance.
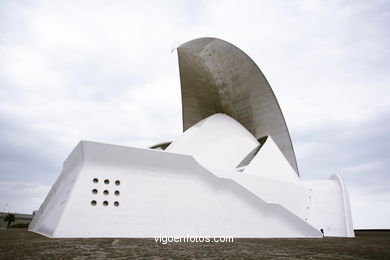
[217, 77]
[213, 148]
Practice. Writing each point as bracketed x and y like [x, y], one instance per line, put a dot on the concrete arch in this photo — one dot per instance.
[218, 77]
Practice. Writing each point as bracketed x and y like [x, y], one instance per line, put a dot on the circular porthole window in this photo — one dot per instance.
[93, 203]
[105, 192]
[95, 180]
[105, 203]
[106, 181]
[94, 191]
[117, 183]
[117, 193]
[116, 203]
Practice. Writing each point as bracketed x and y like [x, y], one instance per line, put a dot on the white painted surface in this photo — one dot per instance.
[160, 194]
[327, 208]
[193, 188]
[217, 142]
[270, 162]
[292, 196]
[346, 206]
[46, 219]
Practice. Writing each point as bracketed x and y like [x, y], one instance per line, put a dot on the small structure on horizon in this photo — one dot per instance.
[233, 171]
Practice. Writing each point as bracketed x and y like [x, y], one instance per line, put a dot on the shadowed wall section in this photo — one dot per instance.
[217, 77]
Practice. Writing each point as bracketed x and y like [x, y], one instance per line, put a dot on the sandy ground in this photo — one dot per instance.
[21, 244]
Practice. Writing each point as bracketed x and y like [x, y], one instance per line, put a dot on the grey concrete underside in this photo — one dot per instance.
[217, 77]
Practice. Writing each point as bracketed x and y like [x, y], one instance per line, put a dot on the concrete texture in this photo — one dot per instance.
[20, 244]
[217, 77]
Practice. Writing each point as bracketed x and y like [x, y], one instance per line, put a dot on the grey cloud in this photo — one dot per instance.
[26, 155]
[359, 151]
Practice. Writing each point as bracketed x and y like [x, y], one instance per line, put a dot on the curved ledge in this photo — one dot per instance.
[347, 206]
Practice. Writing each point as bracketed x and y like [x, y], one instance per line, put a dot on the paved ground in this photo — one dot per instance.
[21, 244]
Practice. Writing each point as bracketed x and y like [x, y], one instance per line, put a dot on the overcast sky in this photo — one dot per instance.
[104, 71]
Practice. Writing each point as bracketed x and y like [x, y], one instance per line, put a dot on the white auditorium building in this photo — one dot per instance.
[232, 172]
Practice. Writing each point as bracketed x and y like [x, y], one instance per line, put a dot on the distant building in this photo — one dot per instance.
[232, 172]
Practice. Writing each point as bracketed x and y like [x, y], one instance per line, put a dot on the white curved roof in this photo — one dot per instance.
[217, 142]
[217, 77]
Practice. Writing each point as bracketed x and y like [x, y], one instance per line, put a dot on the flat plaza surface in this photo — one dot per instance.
[21, 244]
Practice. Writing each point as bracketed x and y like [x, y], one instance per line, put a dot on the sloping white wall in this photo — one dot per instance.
[270, 162]
[46, 219]
[323, 204]
[162, 194]
[293, 196]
